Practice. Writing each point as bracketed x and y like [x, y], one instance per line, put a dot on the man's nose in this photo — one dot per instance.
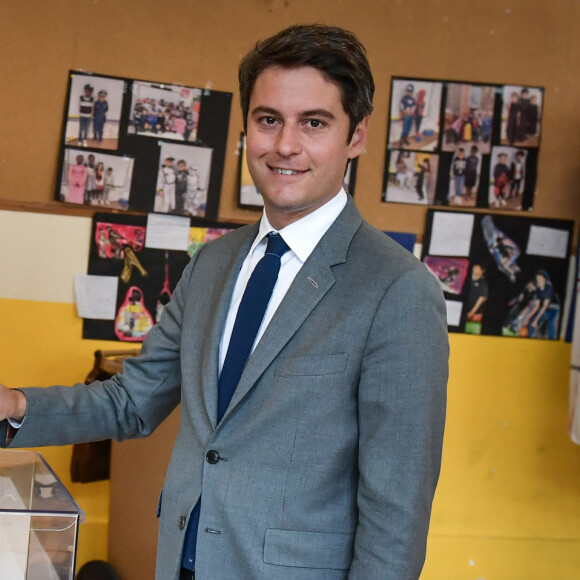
[289, 142]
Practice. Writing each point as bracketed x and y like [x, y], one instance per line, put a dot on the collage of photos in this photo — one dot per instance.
[147, 276]
[483, 142]
[501, 275]
[109, 158]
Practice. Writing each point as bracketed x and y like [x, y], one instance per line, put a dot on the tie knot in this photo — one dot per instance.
[276, 245]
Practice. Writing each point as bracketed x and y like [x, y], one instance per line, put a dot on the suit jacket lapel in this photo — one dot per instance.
[310, 286]
[222, 290]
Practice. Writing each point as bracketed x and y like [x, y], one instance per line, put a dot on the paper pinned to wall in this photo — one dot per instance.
[451, 234]
[96, 296]
[167, 232]
[454, 309]
[549, 242]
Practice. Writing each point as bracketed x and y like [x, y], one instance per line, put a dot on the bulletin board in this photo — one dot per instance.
[185, 44]
[502, 275]
[130, 144]
[463, 144]
[144, 275]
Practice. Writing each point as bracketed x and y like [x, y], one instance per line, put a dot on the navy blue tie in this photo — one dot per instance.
[248, 321]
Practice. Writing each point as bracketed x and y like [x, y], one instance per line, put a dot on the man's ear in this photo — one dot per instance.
[359, 138]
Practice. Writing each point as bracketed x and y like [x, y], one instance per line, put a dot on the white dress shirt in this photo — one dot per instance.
[302, 236]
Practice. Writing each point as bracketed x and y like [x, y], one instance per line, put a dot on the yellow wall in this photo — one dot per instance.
[40, 344]
[507, 507]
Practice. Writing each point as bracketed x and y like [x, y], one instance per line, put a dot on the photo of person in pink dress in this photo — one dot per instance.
[77, 180]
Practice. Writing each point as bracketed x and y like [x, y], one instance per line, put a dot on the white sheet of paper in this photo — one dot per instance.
[96, 296]
[167, 232]
[549, 242]
[451, 234]
[454, 308]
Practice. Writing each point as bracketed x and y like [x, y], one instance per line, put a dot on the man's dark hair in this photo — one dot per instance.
[335, 52]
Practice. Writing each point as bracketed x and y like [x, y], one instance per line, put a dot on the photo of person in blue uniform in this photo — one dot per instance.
[100, 116]
[94, 110]
[414, 114]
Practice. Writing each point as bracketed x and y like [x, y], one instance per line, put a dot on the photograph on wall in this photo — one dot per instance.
[165, 111]
[521, 116]
[464, 176]
[414, 114]
[187, 124]
[94, 109]
[411, 177]
[468, 116]
[507, 178]
[96, 179]
[248, 194]
[147, 276]
[182, 179]
[501, 275]
[467, 132]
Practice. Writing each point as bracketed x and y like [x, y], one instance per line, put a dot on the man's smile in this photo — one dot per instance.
[282, 171]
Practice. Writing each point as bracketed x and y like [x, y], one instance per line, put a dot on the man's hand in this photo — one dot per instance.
[12, 404]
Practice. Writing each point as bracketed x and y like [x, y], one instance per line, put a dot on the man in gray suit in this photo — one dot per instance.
[324, 463]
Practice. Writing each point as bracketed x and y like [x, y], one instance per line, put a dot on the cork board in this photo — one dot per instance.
[201, 43]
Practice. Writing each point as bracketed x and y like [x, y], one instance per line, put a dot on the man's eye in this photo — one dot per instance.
[314, 123]
[268, 120]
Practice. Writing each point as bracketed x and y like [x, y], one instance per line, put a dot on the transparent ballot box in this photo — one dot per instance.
[38, 520]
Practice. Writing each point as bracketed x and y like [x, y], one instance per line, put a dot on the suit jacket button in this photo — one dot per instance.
[181, 523]
[212, 456]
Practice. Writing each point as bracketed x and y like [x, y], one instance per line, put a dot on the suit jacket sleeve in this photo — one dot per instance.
[129, 405]
[402, 399]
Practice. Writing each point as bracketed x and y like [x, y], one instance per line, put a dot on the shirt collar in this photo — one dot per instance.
[303, 235]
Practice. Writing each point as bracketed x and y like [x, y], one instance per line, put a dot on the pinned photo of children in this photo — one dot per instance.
[464, 177]
[411, 177]
[96, 179]
[521, 116]
[414, 115]
[94, 111]
[165, 111]
[182, 179]
[468, 117]
[507, 178]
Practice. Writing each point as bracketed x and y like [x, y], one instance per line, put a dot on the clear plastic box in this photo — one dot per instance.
[38, 520]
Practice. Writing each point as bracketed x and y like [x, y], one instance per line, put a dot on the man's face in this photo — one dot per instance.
[297, 147]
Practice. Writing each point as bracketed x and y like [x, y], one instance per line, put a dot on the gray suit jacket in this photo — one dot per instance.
[330, 449]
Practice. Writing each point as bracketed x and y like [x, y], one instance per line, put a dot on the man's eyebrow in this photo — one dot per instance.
[324, 113]
[265, 111]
